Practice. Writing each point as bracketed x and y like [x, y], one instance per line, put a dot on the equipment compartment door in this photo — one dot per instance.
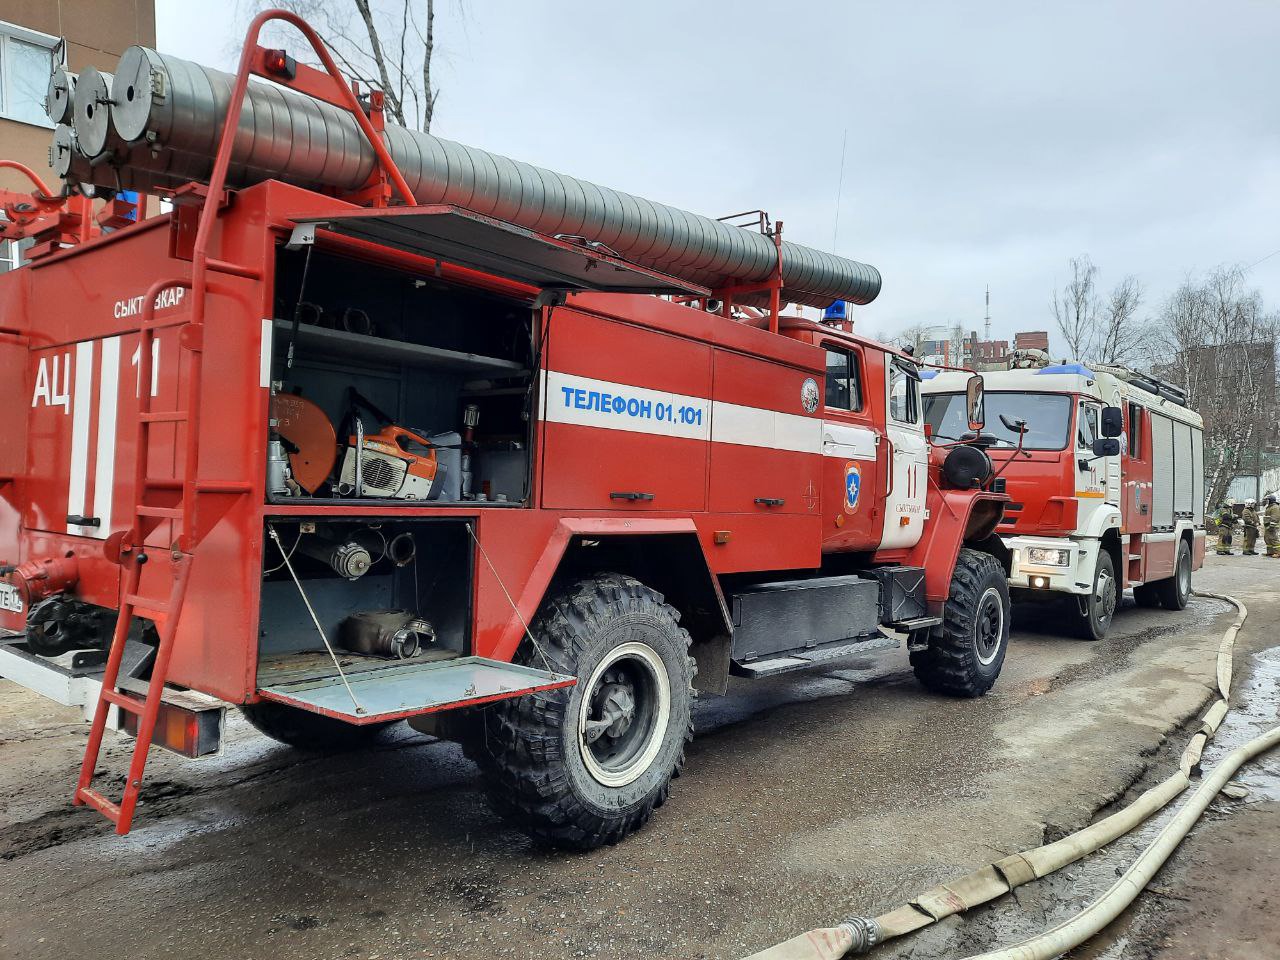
[766, 446]
[1162, 472]
[626, 417]
[83, 408]
[1135, 502]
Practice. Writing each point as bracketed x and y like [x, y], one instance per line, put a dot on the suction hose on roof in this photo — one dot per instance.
[857, 935]
[164, 115]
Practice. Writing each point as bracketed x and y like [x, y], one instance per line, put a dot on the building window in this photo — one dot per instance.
[844, 380]
[26, 60]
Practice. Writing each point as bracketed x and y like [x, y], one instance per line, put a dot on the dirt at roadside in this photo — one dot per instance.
[1220, 895]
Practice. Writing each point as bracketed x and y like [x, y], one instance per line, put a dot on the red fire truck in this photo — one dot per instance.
[1107, 482]
[342, 459]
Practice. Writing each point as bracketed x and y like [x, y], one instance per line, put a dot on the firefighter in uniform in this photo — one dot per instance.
[1226, 520]
[1271, 532]
[1250, 520]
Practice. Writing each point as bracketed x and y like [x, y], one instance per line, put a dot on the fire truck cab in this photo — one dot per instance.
[1106, 482]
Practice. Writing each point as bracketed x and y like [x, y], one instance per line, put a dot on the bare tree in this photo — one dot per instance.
[912, 336]
[1075, 308]
[388, 45]
[1220, 342]
[955, 345]
[429, 49]
[1120, 337]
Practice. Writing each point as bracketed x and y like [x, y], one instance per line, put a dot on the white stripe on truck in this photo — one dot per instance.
[82, 393]
[770, 429]
[105, 466]
[588, 402]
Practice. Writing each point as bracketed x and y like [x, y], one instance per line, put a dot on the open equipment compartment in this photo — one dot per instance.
[430, 380]
[353, 565]
[398, 384]
[393, 600]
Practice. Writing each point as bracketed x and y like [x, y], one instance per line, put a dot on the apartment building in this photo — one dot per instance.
[34, 36]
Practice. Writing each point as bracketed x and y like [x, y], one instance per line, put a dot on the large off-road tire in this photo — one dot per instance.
[1176, 591]
[586, 765]
[1146, 595]
[1095, 610]
[309, 731]
[966, 651]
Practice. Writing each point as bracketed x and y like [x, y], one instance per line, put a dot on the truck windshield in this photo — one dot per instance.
[1048, 417]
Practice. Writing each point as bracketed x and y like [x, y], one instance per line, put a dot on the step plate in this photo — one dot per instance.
[919, 623]
[407, 689]
[805, 659]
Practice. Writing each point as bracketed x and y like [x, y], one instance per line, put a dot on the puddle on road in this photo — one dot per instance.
[1115, 951]
[1255, 709]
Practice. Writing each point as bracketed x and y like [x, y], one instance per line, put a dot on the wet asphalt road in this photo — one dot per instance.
[805, 798]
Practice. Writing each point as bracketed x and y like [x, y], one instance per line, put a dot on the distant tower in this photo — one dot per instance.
[987, 335]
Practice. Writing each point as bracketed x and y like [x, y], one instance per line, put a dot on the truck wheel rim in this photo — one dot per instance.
[1184, 575]
[1104, 596]
[625, 710]
[989, 626]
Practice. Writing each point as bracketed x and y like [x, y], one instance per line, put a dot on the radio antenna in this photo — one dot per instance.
[835, 232]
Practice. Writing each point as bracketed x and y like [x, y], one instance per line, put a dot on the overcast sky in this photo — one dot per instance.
[988, 142]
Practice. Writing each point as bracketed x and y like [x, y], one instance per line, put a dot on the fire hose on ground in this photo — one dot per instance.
[857, 935]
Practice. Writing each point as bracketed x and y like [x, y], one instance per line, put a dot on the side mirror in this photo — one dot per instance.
[1112, 421]
[1106, 447]
[975, 403]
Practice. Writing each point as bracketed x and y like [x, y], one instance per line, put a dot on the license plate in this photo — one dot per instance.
[10, 599]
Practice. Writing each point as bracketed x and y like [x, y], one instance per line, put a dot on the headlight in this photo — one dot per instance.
[1048, 556]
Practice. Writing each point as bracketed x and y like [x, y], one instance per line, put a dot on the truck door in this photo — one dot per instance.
[1091, 474]
[850, 446]
[907, 457]
[1111, 465]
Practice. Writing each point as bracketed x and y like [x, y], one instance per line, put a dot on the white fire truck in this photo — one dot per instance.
[1105, 467]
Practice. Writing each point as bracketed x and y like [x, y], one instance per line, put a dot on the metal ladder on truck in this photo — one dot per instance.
[132, 556]
[148, 513]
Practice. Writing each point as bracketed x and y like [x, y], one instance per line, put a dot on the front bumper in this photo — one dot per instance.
[1076, 577]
